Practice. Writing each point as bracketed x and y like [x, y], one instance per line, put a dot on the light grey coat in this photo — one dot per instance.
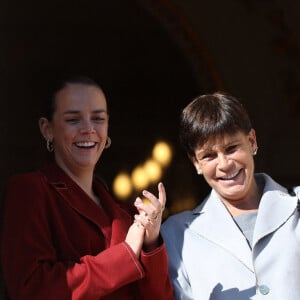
[210, 259]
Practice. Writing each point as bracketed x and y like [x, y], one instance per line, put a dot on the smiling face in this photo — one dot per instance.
[227, 165]
[78, 128]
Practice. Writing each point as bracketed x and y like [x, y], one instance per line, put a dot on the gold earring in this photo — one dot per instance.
[255, 151]
[50, 146]
[108, 143]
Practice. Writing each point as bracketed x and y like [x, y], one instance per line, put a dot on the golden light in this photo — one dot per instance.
[139, 178]
[122, 186]
[153, 170]
[146, 201]
[162, 153]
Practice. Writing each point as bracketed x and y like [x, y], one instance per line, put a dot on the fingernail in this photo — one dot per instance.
[138, 200]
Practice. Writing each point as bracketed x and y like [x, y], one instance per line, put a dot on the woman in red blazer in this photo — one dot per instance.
[64, 236]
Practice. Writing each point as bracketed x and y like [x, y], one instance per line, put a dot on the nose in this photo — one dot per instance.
[87, 127]
[223, 162]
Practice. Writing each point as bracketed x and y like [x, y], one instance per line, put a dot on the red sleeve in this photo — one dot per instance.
[100, 275]
[156, 283]
[30, 265]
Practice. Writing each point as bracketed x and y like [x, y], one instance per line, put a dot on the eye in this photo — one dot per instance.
[207, 156]
[231, 149]
[72, 120]
[99, 119]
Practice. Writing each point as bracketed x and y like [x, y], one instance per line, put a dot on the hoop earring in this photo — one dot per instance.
[255, 151]
[108, 143]
[50, 146]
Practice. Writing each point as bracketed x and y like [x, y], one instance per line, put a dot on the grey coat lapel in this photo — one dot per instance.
[275, 208]
[216, 225]
[212, 221]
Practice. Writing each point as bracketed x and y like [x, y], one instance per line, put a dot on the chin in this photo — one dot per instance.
[235, 194]
[87, 164]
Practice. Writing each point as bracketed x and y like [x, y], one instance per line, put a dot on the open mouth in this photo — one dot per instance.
[85, 145]
[232, 176]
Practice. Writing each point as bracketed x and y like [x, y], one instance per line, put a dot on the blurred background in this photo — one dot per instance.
[152, 58]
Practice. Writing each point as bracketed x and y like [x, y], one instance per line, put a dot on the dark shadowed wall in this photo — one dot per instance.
[152, 58]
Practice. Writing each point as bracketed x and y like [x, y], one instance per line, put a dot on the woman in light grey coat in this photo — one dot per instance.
[243, 241]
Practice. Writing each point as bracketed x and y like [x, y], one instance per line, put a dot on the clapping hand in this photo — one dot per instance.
[150, 215]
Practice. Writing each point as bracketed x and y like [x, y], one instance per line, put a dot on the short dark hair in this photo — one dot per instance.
[59, 84]
[209, 116]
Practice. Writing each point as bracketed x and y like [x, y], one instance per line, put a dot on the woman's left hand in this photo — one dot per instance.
[150, 215]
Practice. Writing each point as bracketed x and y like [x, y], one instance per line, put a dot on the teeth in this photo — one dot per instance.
[85, 144]
[230, 176]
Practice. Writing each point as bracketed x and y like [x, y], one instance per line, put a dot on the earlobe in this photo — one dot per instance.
[197, 165]
[252, 139]
[45, 129]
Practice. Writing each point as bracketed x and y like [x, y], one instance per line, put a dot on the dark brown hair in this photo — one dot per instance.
[60, 84]
[209, 116]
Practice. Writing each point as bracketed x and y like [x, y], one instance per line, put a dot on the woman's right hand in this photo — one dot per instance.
[135, 237]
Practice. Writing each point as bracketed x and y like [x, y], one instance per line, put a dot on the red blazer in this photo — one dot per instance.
[58, 244]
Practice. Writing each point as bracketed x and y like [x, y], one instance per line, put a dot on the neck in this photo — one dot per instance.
[86, 184]
[84, 179]
[247, 204]
[234, 210]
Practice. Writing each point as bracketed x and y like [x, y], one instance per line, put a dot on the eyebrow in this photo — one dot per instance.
[67, 112]
[223, 146]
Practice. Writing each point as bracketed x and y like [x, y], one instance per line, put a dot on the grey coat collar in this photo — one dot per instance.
[212, 221]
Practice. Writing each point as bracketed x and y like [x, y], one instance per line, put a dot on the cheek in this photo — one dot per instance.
[209, 170]
[102, 131]
[247, 158]
[64, 134]
[242, 156]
